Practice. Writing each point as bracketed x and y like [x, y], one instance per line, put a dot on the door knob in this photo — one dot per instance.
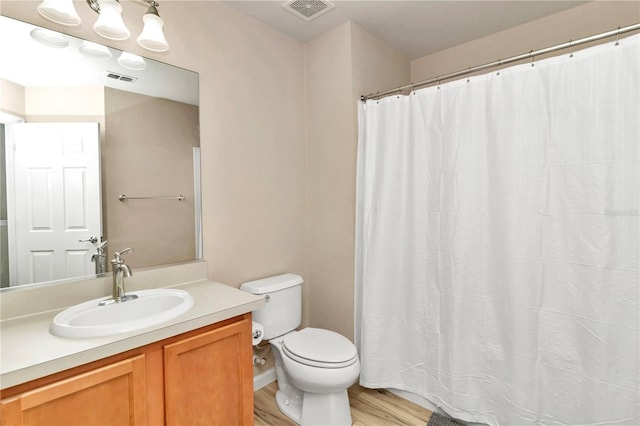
[91, 240]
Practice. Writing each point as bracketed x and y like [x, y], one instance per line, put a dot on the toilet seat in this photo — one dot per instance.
[319, 348]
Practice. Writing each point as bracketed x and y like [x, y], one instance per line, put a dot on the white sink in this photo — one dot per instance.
[152, 307]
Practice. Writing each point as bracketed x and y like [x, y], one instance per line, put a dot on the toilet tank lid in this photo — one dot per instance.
[267, 285]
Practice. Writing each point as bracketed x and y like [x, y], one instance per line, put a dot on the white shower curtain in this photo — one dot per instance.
[497, 242]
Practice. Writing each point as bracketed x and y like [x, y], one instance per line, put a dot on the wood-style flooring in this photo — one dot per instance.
[369, 407]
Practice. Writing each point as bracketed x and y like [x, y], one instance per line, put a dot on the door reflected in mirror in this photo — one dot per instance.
[55, 193]
[78, 131]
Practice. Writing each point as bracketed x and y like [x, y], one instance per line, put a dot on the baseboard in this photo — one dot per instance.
[264, 378]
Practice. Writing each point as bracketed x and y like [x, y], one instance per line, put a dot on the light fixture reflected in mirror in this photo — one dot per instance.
[110, 23]
[132, 62]
[94, 50]
[49, 38]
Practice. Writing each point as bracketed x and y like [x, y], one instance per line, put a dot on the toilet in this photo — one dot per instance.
[314, 367]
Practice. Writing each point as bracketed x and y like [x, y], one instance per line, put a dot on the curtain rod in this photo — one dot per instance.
[499, 62]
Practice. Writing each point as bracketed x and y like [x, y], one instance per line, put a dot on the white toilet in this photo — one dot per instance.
[314, 367]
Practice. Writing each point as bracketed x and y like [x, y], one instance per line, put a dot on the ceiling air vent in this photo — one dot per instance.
[308, 9]
[121, 77]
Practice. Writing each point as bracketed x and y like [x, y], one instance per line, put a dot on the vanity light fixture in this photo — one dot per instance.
[110, 23]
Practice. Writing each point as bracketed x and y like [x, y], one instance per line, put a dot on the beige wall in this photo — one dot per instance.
[341, 65]
[152, 159]
[330, 179]
[253, 144]
[65, 104]
[572, 24]
[52, 102]
[12, 98]
[375, 64]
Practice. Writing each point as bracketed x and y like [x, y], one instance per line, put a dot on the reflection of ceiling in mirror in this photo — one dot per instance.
[36, 65]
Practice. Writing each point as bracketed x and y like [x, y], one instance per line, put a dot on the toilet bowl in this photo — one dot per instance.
[312, 384]
[314, 367]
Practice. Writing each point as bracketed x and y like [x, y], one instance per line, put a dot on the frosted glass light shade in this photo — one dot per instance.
[110, 24]
[94, 50]
[152, 36]
[49, 38]
[59, 11]
[132, 62]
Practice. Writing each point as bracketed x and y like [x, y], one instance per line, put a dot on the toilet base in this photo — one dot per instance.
[309, 409]
[290, 407]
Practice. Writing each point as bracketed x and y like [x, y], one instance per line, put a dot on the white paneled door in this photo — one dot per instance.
[57, 203]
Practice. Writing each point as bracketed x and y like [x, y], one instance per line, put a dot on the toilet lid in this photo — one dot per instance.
[320, 348]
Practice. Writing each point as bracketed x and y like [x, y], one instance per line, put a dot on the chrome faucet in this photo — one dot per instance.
[99, 258]
[120, 271]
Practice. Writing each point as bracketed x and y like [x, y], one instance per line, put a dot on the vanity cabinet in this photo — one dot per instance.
[201, 377]
[111, 395]
[204, 382]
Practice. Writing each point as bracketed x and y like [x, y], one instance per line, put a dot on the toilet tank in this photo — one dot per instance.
[282, 312]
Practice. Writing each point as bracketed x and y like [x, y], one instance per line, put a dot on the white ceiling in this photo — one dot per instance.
[416, 28]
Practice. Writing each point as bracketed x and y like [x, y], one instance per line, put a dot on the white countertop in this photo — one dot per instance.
[28, 351]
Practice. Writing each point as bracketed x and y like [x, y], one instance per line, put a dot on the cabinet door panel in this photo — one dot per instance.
[209, 378]
[111, 395]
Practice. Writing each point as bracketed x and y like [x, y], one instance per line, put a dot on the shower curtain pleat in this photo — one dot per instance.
[498, 242]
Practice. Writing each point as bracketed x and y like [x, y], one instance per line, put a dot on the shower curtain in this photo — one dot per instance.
[497, 242]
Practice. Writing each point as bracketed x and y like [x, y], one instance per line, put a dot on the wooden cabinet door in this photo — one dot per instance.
[209, 378]
[112, 395]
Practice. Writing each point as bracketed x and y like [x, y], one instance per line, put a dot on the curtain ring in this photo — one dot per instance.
[617, 37]
[570, 48]
[532, 58]
[413, 92]
[499, 63]
[469, 75]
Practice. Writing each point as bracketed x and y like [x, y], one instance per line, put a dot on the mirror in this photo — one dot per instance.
[81, 125]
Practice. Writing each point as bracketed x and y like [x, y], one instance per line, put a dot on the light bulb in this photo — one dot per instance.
[59, 11]
[110, 24]
[152, 36]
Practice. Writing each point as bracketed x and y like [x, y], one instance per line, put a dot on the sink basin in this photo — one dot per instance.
[152, 307]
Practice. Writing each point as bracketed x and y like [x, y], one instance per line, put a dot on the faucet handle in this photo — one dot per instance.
[100, 248]
[118, 255]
